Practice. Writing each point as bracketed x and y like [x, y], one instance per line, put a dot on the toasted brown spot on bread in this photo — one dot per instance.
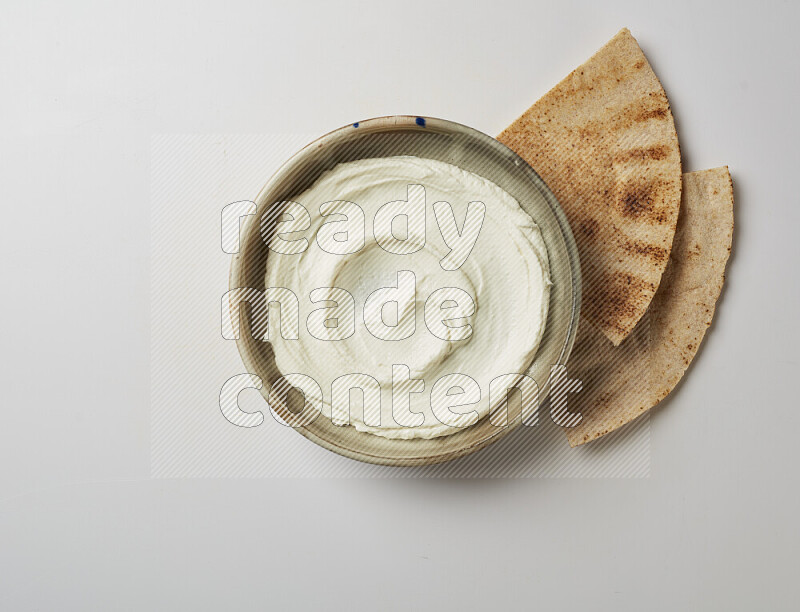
[641, 153]
[613, 296]
[644, 202]
[648, 250]
[651, 113]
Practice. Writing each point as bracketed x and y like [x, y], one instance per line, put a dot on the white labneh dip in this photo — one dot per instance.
[416, 281]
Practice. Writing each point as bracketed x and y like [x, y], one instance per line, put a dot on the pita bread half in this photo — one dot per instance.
[621, 383]
[604, 141]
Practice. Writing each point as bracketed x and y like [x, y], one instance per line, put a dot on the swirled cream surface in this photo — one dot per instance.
[416, 282]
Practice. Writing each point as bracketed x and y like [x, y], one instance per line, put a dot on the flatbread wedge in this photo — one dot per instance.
[604, 141]
[621, 383]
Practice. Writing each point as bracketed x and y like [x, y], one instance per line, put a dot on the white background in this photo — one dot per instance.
[81, 524]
